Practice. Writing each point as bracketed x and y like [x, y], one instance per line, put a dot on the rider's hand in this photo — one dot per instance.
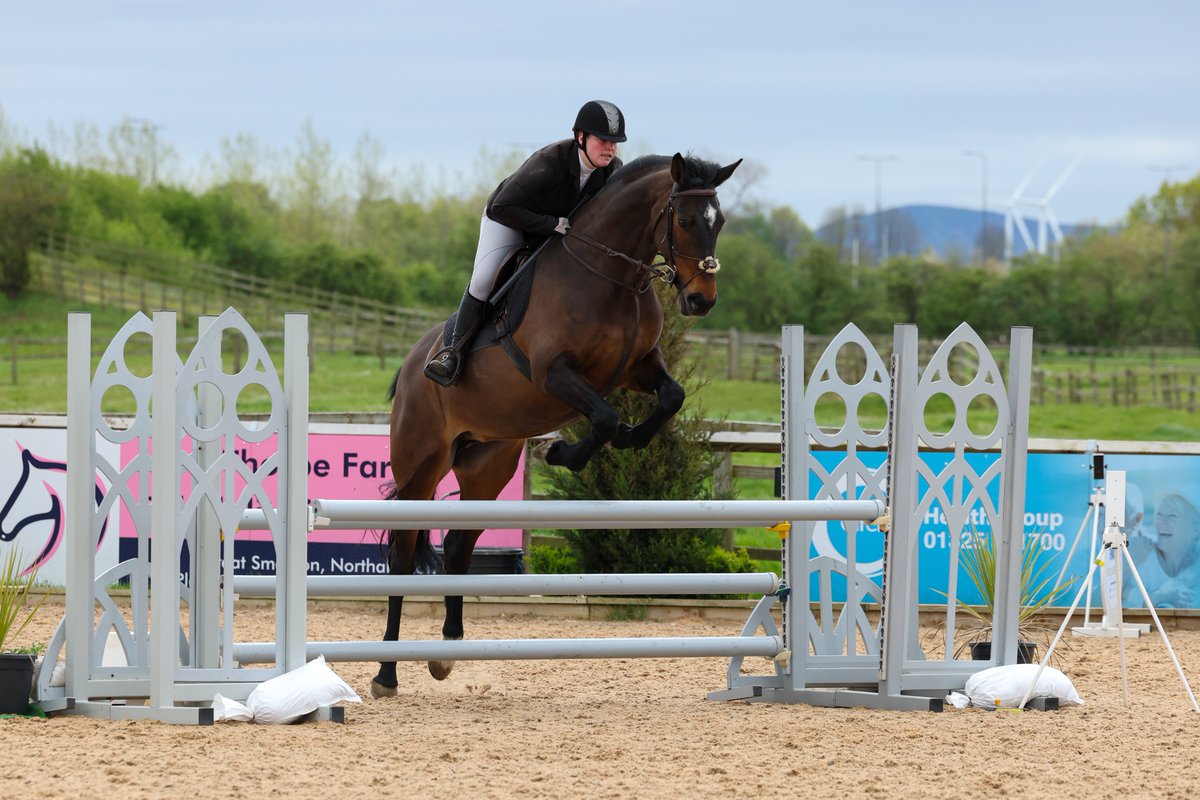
[562, 227]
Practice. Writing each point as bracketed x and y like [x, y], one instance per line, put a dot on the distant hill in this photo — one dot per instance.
[945, 231]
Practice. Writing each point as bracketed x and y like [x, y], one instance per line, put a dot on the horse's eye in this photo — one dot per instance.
[685, 223]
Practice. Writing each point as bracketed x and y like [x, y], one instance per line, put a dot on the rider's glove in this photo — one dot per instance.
[562, 227]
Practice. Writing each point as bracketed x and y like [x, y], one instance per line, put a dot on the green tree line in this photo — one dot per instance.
[359, 229]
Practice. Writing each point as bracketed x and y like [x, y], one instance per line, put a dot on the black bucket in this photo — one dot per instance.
[1026, 652]
[495, 560]
[16, 682]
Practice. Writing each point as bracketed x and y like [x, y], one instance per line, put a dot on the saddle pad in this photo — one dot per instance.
[506, 309]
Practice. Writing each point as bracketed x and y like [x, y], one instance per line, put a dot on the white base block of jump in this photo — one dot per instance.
[1129, 630]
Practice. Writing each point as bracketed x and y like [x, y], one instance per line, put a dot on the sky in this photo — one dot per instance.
[832, 104]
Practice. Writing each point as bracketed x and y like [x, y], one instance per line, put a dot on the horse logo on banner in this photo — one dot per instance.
[31, 502]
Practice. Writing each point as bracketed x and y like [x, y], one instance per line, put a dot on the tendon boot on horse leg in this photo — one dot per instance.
[447, 364]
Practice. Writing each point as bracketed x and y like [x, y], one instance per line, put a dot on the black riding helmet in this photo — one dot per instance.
[601, 119]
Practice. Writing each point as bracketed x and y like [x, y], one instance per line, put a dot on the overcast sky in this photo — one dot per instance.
[803, 90]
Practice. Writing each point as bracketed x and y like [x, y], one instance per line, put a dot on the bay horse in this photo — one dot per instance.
[592, 326]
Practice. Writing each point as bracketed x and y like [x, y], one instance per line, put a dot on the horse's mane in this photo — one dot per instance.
[699, 173]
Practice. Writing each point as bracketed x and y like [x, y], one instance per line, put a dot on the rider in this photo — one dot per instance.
[532, 204]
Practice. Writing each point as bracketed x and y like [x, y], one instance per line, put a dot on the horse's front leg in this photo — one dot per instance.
[457, 549]
[650, 376]
[563, 382]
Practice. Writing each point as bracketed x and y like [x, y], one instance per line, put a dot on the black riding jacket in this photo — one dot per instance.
[545, 188]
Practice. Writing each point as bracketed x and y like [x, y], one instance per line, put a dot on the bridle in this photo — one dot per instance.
[664, 270]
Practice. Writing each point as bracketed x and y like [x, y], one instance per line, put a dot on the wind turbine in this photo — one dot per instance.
[1013, 217]
[1047, 218]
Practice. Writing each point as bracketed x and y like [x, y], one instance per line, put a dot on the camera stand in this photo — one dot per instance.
[1111, 497]
[1112, 548]
[1102, 496]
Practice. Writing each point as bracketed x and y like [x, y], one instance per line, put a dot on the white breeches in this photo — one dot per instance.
[496, 241]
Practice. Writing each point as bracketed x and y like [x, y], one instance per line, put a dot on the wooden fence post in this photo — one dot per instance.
[731, 365]
[723, 487]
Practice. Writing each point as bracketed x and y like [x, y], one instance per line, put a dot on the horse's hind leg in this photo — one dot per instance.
[482, 469]
[408, 548]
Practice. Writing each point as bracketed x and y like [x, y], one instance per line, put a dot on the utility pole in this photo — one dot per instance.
[982, 208]
[880, 244]
[1166, 223]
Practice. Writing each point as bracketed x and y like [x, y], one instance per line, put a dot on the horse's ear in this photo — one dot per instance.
[678, 169]
[724, 172]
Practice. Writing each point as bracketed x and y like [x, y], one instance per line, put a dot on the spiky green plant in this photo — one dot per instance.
[978, 561]
[15, 590]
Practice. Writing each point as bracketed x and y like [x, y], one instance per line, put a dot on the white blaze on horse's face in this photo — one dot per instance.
[710, 216]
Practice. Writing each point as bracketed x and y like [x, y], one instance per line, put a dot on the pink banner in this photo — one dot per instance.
[351, 467]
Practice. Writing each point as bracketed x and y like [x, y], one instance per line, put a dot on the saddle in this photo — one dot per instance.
[506, 309]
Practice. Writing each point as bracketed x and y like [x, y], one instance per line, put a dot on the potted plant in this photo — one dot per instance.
[978, 560]
[16, 667]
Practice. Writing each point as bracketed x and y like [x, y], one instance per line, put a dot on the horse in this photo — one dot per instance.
[592, 325]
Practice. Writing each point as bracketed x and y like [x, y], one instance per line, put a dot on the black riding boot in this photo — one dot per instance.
[447, 364]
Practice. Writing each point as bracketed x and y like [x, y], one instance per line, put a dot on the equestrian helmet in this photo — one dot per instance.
[601, 119]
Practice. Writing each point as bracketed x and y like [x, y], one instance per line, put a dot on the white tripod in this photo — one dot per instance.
[1111, 548]
[1112, 499]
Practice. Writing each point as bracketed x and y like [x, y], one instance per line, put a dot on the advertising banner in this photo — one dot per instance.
[1162, 525]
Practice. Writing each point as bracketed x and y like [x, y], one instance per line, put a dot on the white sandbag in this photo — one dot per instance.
[290, 696]
[1005, 686]
[226, 710]
[958, 700]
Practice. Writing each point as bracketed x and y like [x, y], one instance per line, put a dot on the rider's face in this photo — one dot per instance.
[599, 152]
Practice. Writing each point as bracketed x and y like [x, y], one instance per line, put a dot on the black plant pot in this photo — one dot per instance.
[16, 682]
[1026, 652]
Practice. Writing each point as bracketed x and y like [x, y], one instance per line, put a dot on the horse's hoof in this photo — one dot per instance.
[378, 690]
[440, 670]
[555, 456]
[562, 454]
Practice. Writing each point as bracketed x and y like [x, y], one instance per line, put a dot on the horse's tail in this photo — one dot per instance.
[425, 558]
[391, 390]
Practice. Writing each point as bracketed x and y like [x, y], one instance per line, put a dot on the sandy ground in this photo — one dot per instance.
[626, 728]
